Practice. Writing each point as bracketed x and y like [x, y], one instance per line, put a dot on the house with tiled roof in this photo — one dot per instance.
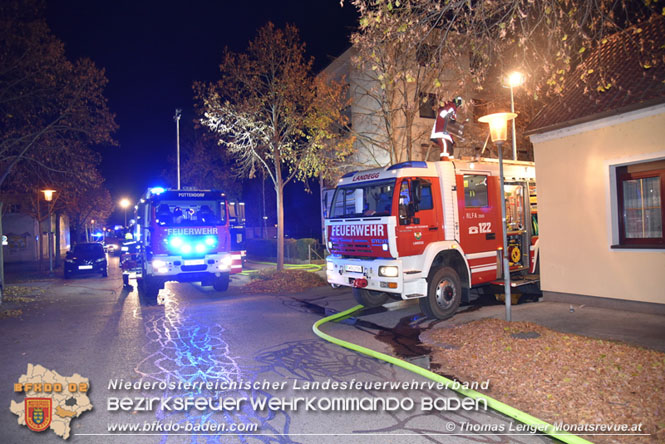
[599, 150]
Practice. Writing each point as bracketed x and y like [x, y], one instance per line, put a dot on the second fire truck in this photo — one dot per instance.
[184, 236]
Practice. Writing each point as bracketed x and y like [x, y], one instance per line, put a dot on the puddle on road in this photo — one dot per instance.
[404, 338]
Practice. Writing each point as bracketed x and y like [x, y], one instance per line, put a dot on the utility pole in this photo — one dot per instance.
[178, 113]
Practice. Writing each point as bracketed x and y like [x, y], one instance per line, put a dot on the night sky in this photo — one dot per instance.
[153, 51]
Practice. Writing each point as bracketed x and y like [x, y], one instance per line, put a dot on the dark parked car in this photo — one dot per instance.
[86, 258]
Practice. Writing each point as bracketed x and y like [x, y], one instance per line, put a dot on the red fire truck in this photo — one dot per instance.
[184, 236]
[431, 230]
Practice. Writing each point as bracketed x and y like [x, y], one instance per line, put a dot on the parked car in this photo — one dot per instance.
[112, 246]
[86, 258]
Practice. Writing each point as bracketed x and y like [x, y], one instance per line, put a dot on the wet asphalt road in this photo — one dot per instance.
[94, 327]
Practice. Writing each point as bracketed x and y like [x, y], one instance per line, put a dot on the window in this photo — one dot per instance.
[425, 197]
[425, 54]
[428, 106]
[475, 190]
[372, 198]
[641, 209]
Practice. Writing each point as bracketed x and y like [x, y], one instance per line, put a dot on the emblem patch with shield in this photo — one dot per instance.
[38, 413]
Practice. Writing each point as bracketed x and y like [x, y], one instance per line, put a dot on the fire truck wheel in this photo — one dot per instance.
[369, 298]
[221, 283]
[444, 294]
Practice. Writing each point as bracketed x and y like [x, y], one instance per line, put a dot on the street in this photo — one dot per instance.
[94, 327]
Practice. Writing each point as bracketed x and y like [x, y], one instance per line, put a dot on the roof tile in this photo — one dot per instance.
[628, 73]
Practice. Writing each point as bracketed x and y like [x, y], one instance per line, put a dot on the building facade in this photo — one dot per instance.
[600, 163]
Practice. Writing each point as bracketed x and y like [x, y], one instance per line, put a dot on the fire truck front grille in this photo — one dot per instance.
[351, 248]
[194, 267]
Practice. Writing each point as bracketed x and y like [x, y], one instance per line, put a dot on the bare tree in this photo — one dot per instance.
[270, 113]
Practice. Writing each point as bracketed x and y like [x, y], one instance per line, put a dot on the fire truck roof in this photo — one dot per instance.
[163, 194]
[512, 169]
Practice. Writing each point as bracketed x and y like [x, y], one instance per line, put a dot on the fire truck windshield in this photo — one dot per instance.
[363, 199]
[189, 213]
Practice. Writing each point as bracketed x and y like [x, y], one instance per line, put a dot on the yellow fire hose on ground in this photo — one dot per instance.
[312, 268]
[533, 422]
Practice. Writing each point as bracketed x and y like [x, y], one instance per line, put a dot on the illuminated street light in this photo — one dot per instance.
[513, 80]
[125, 203]
[48, 195]
[498, 132]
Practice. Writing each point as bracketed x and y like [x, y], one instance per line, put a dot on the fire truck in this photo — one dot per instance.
[184, 236]
[431, 231]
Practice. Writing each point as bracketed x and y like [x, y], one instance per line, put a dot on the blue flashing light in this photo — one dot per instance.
[409, 164]
[186, 248]
[176, 242]
[200, 248]
[157, 190]
[210, 241]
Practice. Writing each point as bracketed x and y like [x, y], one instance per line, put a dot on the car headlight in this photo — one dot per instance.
[388, 271]
[330, 266]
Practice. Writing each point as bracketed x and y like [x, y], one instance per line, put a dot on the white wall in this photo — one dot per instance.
[576, 213]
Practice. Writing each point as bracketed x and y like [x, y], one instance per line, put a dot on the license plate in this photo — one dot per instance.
[85, 267]
[195, 262]
[354, 268]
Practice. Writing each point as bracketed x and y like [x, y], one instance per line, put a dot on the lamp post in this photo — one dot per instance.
[48, 197]
[498, 132]
[513, 80]
[125, 203]
[178, 113]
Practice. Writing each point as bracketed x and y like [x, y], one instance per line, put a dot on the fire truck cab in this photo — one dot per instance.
[430, 230]
[184, 236]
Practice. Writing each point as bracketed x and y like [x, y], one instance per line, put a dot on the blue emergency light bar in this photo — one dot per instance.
[188, 245]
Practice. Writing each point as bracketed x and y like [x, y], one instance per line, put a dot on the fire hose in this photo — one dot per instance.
[525, 418]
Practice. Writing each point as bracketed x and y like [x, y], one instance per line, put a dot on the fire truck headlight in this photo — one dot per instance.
[175, 242]
[388, 271]
[200, 248]
[158, 264]
[330, 266]
[210, 241]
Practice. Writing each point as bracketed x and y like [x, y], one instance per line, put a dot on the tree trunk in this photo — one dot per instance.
[57, 240]
[279, 188]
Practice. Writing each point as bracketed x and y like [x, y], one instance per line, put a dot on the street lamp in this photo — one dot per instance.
[498, 132]
[178, 114]
[125, 203]
[513, 80]
[48, 197]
